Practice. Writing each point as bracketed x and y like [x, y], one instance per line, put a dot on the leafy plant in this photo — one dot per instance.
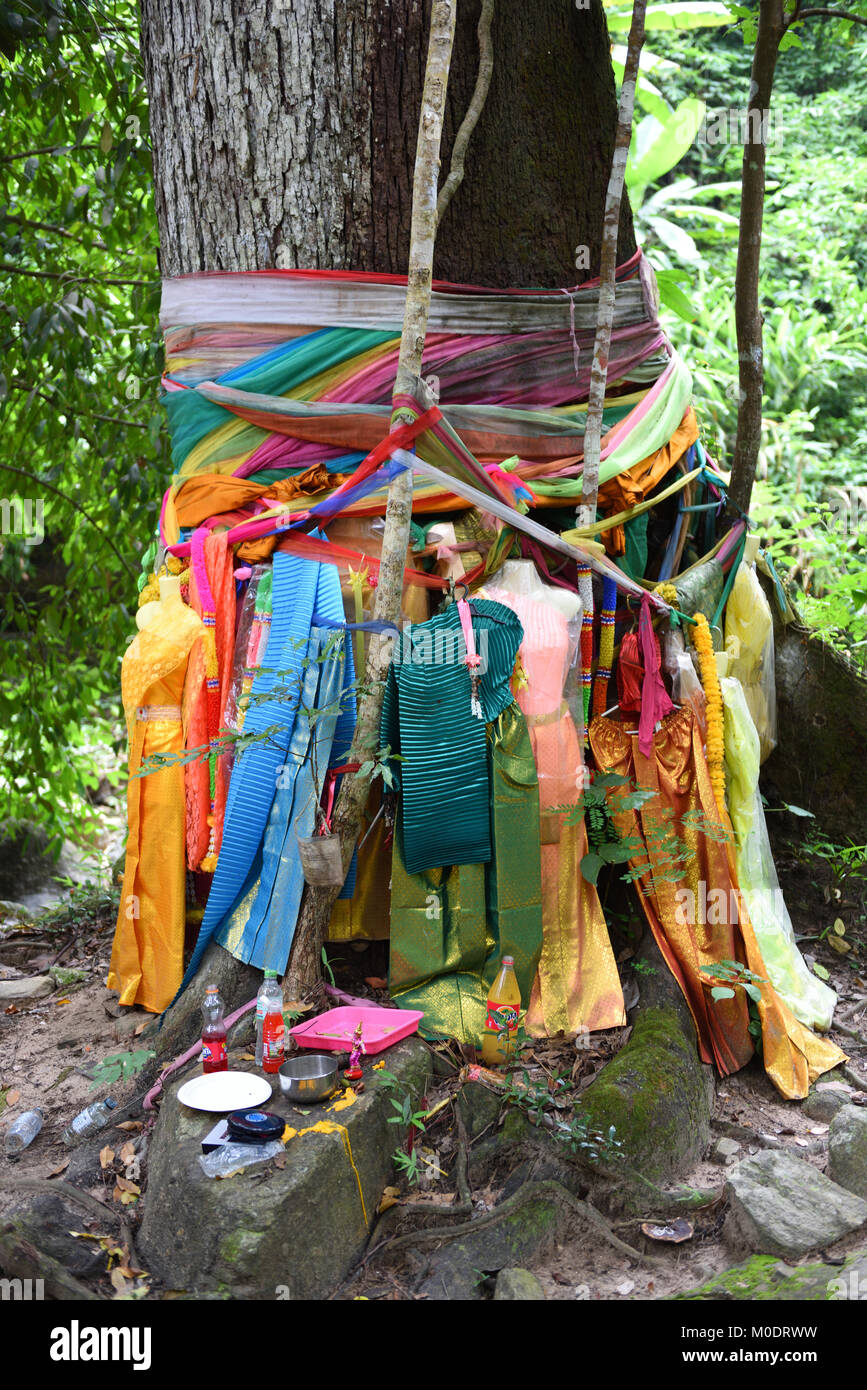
[120, 1066]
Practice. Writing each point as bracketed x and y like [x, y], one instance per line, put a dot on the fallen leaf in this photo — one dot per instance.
[839, 926]
[55, 1172]
[673, 1232]
[10, 1010]
[61, 1001]
[560, 1278]
[130, 1124]
[126, 1186]
[280, 1161]
[118, 1282]
[386, 1203]
[376, 982]
[12, 1097]
[820, 1129]
[106, 1156]
[804, 1143]
[839, 945]
[127, 1153]
[127, 1197]
[141, 1027]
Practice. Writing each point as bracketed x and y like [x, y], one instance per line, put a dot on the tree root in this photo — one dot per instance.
[546, 1188]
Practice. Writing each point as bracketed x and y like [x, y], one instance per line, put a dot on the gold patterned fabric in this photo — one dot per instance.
[365, 916]
[147, 953]
[683, 808]
[450, 926]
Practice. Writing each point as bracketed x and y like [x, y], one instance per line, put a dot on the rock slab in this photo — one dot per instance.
[847, 1149]
[517, 1285]
[780, 1205]
[22, 990]
[290, 1228]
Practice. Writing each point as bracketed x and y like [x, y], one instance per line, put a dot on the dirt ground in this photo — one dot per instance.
[51, 1050]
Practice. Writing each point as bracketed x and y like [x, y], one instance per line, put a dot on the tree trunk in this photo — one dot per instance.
[284, 136]
[748, 314]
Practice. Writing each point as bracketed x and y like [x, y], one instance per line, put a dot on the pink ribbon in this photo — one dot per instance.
[655, 702]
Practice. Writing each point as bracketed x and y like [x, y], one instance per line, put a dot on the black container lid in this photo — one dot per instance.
[256, 1125]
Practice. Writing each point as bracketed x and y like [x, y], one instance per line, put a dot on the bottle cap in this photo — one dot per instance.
[110, 1104]
[508, 960]
[270, 974]
[212, 989]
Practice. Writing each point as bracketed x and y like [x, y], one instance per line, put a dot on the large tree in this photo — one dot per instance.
[284, 136]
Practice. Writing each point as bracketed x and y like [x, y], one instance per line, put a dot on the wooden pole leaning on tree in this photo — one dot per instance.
[586, 510]
[305, 959]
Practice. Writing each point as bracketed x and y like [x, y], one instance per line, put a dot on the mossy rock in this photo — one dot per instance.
[764, 1279]
[653, 1094]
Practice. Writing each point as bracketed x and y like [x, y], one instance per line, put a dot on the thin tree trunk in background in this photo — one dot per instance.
[318, 902]
[586, 511]
[748, 316]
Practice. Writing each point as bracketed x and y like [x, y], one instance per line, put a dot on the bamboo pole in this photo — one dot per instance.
[316, 907]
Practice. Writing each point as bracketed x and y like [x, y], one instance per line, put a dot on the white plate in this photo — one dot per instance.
[224, 1091]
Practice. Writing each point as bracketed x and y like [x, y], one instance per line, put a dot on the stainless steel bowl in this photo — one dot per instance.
[309, 1077]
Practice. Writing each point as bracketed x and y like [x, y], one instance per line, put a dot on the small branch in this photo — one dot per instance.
[71, 277]
[830, 14]
[22, 472]
[56, 231]
[586, 511]
[474, 110]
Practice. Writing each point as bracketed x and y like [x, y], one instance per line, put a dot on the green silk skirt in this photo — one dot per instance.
[450, 926]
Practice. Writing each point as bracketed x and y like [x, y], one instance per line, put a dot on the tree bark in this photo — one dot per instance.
[284, 136]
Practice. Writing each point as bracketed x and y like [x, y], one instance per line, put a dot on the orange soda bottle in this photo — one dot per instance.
[501, 1022]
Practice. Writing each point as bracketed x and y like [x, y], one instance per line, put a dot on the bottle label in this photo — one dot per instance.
[261, 1008]
[501, 1018]
[214, 1051]
[273, 1030]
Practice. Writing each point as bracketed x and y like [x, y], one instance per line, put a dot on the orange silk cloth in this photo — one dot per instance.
[206, 495]
[219, 563]
[633, 486]
[147, 953]
[683, 810]
[577, 985]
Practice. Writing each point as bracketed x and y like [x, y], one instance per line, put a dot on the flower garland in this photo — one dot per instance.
[585, 589]
[710, 680]
[212, 683]
[606, 646]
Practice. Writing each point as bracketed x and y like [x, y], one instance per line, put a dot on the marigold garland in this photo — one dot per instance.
[668, 592]
[715, 743]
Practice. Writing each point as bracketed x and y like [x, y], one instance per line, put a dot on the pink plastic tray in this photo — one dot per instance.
[333, 1031]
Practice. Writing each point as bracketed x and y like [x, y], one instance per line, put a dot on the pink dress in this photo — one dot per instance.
[577, 987]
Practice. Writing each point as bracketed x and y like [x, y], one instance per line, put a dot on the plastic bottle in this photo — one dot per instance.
[89, 1120]
[501, 1022]
[22, 1132]
[214, 1056]
[271, 1028]
[270, 992]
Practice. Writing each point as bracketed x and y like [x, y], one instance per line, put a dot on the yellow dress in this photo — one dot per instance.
[147, 954]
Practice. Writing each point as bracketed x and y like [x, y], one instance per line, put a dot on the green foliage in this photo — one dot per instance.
[411, 1120]
[120, 1066]
[78, 296]
[544, 1103]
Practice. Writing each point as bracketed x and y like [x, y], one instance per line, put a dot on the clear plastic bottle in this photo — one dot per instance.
[270, 1028]
[22, 1132]
[89, 1121]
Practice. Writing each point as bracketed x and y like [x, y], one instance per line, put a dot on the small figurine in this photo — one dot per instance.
[353, 1072]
